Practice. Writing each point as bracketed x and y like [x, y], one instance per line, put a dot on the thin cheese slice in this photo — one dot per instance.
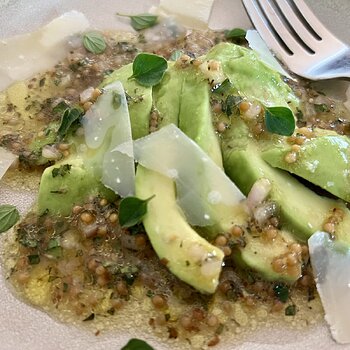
[24, 55]
[331, 265]
[257, 44]
[194, 13]
[6, 160]
[202, 186]
[108, 130]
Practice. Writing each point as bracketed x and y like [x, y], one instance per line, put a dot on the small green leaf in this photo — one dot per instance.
[61, 171]
[132, 210]
[279, 120]
[230, 105]
[141, 21]
[148, 69]
[175, 55]
[94, 42]
[137, 344]
[281, 292]
[321, 107]
[33, 259]
[8, 217]
[236, 33]
[117, 100]
[69, 116]
[290, 310]
[222, 88]
[60, 107]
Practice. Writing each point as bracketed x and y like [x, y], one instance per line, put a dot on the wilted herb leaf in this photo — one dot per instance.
[9, 215]
[141, 21]
[69, 116]
[62, 170]
[235, 33]
[132, 210]
[136, 344]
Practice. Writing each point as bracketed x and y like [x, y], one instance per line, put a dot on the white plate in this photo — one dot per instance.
[23, 327]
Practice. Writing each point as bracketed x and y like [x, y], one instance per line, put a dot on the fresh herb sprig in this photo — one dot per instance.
[137, 344]
[279, 120]
[141, 21]
[132, 210]
[9, 215]
[94, 42]
[148, 69]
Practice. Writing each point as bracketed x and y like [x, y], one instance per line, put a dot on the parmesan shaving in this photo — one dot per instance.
[108, 130]
[24, 55]
[202, 187]
[331, 265]
[257, 44]
[6, 160]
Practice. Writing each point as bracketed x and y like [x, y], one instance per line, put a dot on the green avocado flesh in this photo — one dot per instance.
[302, 211]
[323, 160]
[60, 193]
[188, 256]
[183, 98]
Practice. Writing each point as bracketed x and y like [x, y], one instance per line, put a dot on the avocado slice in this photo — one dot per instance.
[302, 211]
[187, 255]
[251, 77]
[322, 160]
[259, 255]
[139, 100]
[195, 118]
[59, 193]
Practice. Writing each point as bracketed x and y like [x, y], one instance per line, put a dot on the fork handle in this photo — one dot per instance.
[334, 67]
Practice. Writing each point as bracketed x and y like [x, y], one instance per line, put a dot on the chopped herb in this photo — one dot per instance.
[9, 215]
[129, 274]
[220, 329]
[167, 317]
[279, 120]
[62, 170]
[223, 87]
[33, 259]
[117, 100]
[53, 248]
[60, 191]
[150, 293]
[281, 292]
[94, 42]
[141, 21]
[132, 210]
[42, 82]
[26, 239]
[290, 310]
[89, 318]
[136, 344]
[321, 108]
[60, 107]
[65, 287]
[111, 311]
[69, 116]
[230, 105]
[235, 33]
[175, 55]
[148, 69]
[300, 115]
[52, 278]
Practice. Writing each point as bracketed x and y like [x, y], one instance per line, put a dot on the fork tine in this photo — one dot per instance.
[296, 20]
[265, 29]
[283, 29]
[313, 21]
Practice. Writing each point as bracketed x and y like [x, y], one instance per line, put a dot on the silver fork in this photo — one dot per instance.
[299, 39]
